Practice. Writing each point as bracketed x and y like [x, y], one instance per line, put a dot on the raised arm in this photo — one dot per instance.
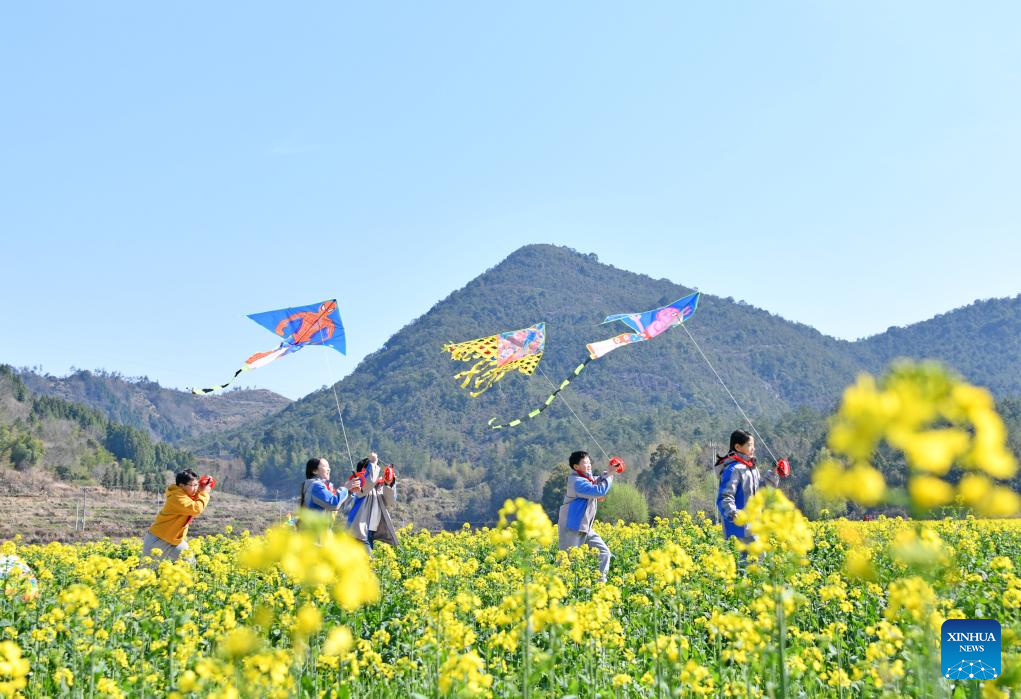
[182, 504]
[586, 489]
[322, 497]
[389, 494]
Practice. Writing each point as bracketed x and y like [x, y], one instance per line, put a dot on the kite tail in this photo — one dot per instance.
[469, 374]
[254, 362]
[214, 389]
[549, 400]
[485, 379]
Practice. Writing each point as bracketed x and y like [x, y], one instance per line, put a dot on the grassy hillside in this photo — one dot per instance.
[68, 473]
[40, 509]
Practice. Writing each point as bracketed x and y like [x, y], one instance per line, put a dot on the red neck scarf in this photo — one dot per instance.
[737, 458]
[587, 477]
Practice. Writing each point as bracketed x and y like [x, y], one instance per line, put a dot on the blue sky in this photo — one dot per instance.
[166, 169]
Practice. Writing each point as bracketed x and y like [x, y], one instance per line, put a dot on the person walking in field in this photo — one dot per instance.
[317, 492]
[374, 489]
[183, 501]
[740, 479]
[582, 498]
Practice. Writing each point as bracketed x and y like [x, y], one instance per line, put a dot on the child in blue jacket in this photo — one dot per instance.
[584, 492]
[317, 493]
[739, 480]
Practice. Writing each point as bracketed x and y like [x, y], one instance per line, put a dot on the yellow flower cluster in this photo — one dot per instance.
[317, 556]
[718, 564]
[465, 675]
[596, 621]
[522, 523]
[936, 420]
[698, 680]
[912, 597]
[338, 643]
[174, 578]
[776, 524]
[743, 637]
[13, 669]
[78, 600]
[921, 548]
[667, 648]
[665, 567]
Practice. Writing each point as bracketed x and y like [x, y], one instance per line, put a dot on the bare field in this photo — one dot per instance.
[67, 514]
[42, 510]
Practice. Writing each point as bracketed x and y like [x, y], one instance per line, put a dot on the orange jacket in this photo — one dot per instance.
[172, 522]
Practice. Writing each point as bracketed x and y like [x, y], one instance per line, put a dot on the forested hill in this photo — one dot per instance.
[166, 414]
[77, 443]
[982, 341]
[403, 401]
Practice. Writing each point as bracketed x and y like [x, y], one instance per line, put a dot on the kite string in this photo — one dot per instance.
[575, 415]
[340, 414]
[722, 383]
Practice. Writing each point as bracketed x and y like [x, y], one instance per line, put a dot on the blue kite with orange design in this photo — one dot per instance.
[315, 324]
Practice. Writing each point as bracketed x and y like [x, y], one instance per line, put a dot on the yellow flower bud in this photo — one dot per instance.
[928, 491]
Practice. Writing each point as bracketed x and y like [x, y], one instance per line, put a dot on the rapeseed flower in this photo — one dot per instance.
[776, 524]
[937, 421]
[14, 668]
[465, 675]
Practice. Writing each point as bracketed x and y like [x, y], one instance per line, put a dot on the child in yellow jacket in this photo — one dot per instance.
[184, 501]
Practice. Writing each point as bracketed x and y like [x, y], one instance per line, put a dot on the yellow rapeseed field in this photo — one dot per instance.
[838, 607]
[834, 608]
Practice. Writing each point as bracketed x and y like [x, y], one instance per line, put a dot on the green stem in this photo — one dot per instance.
[170, 649]
[781, 629]
[553, 665]
[840, 654]
[526, 689]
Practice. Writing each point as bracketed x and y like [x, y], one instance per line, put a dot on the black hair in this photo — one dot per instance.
[576, 458]
[311, 467]
[739, 438]
[362, 464]
[185, 477]
[310, 472]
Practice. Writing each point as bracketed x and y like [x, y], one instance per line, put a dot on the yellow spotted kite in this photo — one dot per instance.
[497, 355]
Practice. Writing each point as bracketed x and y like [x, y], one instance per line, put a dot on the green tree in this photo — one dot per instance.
[815, 505]
[660, 480]
[699, 497]
[666, 463]
[129, 443]
[553, 490]
[155, 481]
[25, 451]
[678, 478]
[626, 502]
